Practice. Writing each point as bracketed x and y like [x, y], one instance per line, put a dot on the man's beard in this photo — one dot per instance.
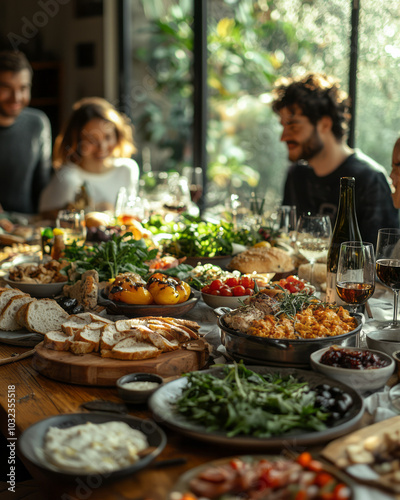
[311, 147]
[13, 114]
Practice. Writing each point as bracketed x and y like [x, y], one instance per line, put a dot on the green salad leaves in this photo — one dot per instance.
[110, 258]
[193, 237]
[246, 403]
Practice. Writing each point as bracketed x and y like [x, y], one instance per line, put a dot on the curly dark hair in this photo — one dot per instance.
[317, 95]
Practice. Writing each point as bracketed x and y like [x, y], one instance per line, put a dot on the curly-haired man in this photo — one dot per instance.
[314, 113]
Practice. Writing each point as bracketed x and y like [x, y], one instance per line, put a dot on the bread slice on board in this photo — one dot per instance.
[132, 349]
[57, 341]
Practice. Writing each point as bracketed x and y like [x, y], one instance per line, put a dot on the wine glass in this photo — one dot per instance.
[72, 223]
[388, 267]
[355, 277]
[313, 234]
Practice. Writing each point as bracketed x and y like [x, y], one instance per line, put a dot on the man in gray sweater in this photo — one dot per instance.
[25, 138]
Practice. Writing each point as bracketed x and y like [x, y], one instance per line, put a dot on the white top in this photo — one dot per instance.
[102, 188]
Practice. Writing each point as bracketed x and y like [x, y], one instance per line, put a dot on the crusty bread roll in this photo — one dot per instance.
[97, 219]
[262, 260]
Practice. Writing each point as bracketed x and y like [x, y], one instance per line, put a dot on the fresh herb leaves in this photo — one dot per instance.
[246, 403]
[193, 237]
[119, 255]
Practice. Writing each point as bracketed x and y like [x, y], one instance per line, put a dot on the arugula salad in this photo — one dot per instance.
[246, 403]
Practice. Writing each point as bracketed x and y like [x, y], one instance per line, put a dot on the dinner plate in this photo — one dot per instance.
[38, 290]
[31, 442]
[20, 338]
[136, 311]
[183, 484]
[162, 403]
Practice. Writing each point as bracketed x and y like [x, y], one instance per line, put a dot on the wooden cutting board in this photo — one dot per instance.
[336, 453]
[91, 369]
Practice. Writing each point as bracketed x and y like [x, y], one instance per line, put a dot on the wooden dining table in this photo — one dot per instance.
[38, 397]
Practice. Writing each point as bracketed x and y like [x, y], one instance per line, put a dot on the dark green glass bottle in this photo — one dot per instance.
[346, 229]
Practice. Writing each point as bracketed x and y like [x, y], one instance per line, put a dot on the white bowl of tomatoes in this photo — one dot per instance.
[229, 292]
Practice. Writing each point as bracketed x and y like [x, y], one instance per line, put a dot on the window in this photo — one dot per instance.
[250, 44]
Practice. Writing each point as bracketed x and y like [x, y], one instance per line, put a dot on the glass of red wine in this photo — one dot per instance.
[355, 277]
[388, 267]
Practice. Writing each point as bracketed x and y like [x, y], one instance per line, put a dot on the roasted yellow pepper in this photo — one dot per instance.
[138, 296]
[184, 291]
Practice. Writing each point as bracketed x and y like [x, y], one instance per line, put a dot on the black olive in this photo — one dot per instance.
[77, 309]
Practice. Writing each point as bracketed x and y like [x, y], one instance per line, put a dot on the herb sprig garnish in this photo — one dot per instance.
[292, 303]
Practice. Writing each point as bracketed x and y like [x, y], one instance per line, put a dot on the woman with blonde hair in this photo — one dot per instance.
[94, 150]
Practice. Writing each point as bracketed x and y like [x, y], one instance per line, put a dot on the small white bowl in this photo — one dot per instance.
[137, 395]
[215, 301]
[360, 380]
[384, 341]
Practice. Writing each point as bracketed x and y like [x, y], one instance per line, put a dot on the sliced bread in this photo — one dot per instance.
[8, 321]
[6, 295]
[91, 336]
[44, 315]
[132, 349]
[81, 347]
[111, 336]
[57, 341]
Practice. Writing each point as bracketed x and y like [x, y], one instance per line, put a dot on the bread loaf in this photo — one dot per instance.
[262, 260]
[85, 290]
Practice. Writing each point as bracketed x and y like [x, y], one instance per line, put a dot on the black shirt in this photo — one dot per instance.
[320, 195]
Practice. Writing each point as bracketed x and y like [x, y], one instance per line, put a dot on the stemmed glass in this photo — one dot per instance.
[313, 234]
[355, 277]
[388, 267]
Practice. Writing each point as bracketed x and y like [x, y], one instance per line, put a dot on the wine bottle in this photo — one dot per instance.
[346, 229]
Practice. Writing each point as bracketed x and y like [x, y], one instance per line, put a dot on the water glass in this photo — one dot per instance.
[72, 223]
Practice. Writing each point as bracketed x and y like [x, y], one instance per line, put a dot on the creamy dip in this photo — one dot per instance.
[141, 385]
[94, 447]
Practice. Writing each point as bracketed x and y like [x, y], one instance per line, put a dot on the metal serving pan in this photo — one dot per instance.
[278, 352]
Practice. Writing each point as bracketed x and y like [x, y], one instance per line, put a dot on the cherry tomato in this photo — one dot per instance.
[206, 289]
[247, 282]
[238, 291]
[314, 466]
[215, 285]
[304, 459]
[323, 478]
[341, 492]
[231, 282]
[226, 292]
[301, 495]
[215, 292]
[248, 291]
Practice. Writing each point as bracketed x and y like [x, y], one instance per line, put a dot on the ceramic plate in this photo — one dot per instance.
[182, 485]
[20, 338]
[136, 311]
[162, 405]
[220, 260]
[31, 442]
[38, 290]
